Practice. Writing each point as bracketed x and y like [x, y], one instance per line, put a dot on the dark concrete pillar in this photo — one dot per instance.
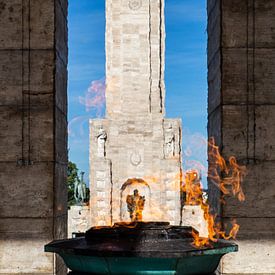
[33, 137]
[241, 110]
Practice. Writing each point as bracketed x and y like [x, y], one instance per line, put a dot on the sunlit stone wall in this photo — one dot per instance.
[33, 139]
[241, 110]
[135, 147]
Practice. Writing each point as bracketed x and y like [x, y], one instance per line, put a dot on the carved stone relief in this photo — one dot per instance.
[169, 142]
[135, 158]
[135, 4]
[101, 141]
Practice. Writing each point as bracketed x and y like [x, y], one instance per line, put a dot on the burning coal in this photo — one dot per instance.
[227, 176]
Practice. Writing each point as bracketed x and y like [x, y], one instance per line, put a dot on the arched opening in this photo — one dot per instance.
[128, 189]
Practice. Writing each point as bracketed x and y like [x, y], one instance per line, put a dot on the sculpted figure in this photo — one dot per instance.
[169, 142]
[193, 188]
[135, 204]
[101, 141]
[80, 190]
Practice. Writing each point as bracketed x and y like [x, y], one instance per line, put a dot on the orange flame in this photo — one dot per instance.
[227, 176]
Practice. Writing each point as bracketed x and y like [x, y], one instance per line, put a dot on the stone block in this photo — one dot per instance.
[234, 132]
[10, 16]
[259, 190]
[214, 197]
[253, 228]
[214, 83]
[61, 31]
[255, 256]
[31, 196]
[60, 190]
[12, 138]
[41, 134]
[61, 78]
[237, 82]
[214, 125]
[20, 229]
[41, 75]
[17, 255]
[41, 24]
[264, 76]
[61, 145]
[60, 267]
[37, 140]
[60, 227]
[213, 27]
[264, 23]
[234, 78]
[234, 23]
[64, 6]
[211, 5]
[265, 132]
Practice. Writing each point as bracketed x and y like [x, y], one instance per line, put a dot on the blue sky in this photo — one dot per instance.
[185, 73]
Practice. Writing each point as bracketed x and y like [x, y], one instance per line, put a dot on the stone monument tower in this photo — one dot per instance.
[135, 147]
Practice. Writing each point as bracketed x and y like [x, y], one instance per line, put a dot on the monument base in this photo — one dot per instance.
[78, 219]
[193, 215]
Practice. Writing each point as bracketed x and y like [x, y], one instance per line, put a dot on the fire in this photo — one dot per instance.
[227, 176]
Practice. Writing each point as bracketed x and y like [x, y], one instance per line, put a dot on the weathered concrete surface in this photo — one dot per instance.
[241, 109]
[33, 139]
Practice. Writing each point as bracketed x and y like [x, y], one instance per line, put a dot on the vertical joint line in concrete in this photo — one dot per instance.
[150, 58]
[160, 54]
[29, 84]
[247, 80]
[54, 123]
[253, 77]
[22, 85]
[221, 73]
[221, 76]
[25, 93]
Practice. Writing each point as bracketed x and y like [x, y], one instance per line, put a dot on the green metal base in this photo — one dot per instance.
[154, 248]
[204, 264]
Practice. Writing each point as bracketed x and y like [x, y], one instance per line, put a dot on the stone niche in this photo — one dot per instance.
[127, 189]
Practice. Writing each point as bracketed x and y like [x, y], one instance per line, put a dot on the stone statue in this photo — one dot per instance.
[135, 205]
[193, 188]
[101, 141]
[169, 142]
[80, 190]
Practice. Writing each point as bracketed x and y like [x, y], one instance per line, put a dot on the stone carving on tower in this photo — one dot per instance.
[139, 149]
[169, 142]
[135, 205]
[101, 140]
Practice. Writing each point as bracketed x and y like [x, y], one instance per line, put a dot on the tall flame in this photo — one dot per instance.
[227, 176]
